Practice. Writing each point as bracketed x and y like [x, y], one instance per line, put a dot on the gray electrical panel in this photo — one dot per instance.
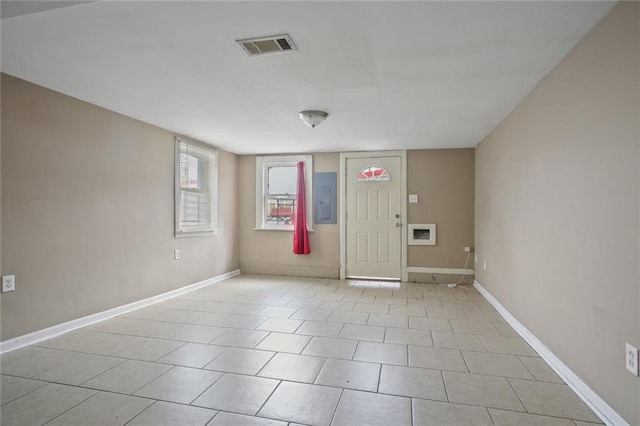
[325, 198]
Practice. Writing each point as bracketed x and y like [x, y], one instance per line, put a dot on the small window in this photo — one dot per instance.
[276, 190]
[373, 174]
[196, 188]
[280, 203]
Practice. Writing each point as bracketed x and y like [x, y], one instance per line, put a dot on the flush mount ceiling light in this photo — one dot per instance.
[313, 117]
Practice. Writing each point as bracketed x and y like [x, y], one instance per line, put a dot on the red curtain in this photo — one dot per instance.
[300, 234]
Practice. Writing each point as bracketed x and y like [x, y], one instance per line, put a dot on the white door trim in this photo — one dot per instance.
[343, 206]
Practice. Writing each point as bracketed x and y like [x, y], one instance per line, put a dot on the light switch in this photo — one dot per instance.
[413, 198]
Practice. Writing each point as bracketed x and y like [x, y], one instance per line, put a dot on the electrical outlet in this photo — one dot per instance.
[176, 254]
[8, 283]
[632, 359]
[467, 249]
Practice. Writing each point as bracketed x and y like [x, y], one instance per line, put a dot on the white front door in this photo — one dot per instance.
[373, 222]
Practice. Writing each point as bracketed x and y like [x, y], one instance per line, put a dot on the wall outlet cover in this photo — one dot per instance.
[631, 361]
[176, 254]
[8, 283]
[413, 198]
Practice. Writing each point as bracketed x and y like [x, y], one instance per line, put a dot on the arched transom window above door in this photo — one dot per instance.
[373, 174]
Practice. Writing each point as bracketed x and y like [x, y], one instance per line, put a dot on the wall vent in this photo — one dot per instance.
[267, 45]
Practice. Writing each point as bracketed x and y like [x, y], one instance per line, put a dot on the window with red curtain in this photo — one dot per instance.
[277, 204]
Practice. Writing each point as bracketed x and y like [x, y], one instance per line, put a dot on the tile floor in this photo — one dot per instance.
[258, 350]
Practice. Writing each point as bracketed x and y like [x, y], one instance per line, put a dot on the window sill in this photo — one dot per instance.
[278, 229]
[197, 233]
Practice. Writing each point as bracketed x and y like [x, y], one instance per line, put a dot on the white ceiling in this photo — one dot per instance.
[392, 75]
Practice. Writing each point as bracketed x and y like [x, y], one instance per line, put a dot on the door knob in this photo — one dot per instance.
[398, 224]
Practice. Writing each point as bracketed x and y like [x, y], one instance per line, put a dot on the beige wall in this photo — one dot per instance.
[557, 209]
[87, 211]
[271, 252]
[443, 179]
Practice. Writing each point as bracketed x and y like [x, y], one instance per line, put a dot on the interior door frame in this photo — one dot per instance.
[344, 156]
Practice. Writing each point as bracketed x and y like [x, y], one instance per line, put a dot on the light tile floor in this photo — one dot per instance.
[259, 350]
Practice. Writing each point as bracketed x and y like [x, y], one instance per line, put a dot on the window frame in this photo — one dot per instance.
[262, 166]
[211, 154]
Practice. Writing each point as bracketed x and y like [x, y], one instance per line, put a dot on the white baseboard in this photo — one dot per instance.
[452, 271]
[607, 414]
[57, 330]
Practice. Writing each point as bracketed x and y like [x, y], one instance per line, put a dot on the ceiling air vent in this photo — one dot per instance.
[267, 45]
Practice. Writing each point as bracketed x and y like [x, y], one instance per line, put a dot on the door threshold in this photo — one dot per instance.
[356, 277]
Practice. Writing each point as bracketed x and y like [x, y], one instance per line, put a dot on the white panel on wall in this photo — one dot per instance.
[421, 234]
